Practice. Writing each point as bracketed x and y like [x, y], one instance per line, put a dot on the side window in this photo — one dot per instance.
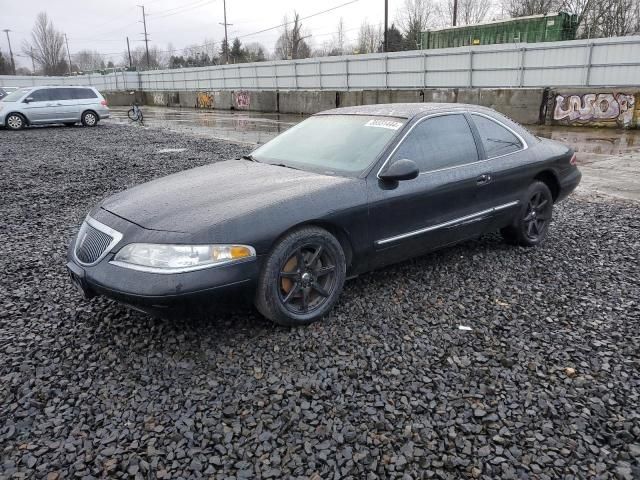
[41, 95]
[83, 93]
[62, 94]
[439, 142]
[496, 139]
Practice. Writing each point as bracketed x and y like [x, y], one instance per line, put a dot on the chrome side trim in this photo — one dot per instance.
[522, 140]
[449, 223]
[117, 236]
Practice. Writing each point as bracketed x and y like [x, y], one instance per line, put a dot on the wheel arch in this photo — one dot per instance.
[549, 178]
[90, 110]
[26, 119]
[340, 233]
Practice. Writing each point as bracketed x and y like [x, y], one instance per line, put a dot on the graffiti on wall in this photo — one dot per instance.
[204, 100]
[159, 99]
[242, 99]
[595, 107]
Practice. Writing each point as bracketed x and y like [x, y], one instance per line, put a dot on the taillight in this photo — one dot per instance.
[574, 160]
[103, 103]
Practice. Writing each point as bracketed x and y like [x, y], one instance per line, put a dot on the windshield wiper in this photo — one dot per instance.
[285, 166]
[249, 157]
[506, 142]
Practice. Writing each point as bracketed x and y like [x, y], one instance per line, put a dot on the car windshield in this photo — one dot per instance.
[343, 144]
[15, 96]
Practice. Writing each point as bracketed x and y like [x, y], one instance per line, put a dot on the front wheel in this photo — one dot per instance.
[302, 277]
[531, 225]
[15, 121]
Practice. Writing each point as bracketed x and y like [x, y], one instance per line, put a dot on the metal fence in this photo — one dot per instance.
[597, 62]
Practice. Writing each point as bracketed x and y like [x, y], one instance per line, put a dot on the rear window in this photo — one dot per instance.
[496, 139]
[84, 93]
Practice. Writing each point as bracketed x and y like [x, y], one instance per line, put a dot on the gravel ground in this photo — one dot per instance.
[546, 384]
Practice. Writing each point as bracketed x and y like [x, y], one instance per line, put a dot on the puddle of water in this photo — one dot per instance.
[245, 127]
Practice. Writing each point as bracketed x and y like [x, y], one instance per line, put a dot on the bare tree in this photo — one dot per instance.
[339, 39]
[46, 46]
[88, 60]
[291, 44]
[414, 17]
[369, 38]
[611, 18]
[157, 58]
[523, 8]
[469, 12]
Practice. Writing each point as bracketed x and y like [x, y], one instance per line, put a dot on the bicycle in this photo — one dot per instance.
[135, 113]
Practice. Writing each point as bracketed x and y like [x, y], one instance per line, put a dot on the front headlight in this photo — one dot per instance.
[161, 258]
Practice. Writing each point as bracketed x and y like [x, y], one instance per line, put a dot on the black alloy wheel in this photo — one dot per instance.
[302, 277]
[307, 278]
[531, 225]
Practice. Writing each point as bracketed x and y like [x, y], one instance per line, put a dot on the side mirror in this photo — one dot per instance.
[403, 169]
[28, 99]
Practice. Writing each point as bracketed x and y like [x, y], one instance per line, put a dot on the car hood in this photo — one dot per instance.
[220, 193]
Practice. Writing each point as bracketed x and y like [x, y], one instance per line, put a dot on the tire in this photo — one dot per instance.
[15, 121]
[70, 124]
[531, 225]
[132, 114]
[292, 296]
[90, 119]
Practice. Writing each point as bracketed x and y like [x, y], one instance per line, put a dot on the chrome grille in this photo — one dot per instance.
[91, 244]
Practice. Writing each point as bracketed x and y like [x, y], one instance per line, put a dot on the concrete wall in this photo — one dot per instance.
[594, 107]
[306, 102]
[587, 107]
[521, 104]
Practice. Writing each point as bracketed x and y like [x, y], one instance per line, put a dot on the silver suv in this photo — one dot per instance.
[42, 105]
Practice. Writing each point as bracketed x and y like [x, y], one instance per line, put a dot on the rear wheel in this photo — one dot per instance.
[531, 225]
[89, 119]
[302, 278]
[15, 121]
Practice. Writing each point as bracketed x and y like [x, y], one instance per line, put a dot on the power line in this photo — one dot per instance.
[210, 44]
[301, 18]
[183, 9]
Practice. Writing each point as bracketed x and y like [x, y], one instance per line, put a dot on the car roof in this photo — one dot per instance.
[403, 110]
[59, 86]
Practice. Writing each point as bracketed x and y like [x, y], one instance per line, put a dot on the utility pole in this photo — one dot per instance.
[68, 54]
[13, 63]
[226, 38]
[386, 25]
[33, 63]
[455, 12]
[129, 51]
[146, 37]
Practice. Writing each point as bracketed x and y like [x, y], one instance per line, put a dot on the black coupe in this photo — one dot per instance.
[344, 192]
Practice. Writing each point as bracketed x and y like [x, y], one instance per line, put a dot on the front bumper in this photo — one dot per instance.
[221, 284]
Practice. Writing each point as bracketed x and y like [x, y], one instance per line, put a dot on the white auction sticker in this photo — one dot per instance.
[390, 124]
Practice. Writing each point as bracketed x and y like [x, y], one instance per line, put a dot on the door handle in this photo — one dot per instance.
[483, 179]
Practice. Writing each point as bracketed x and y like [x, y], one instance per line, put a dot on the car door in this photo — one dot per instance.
[505, 163]
[68, 108]
[39, 106]
[444, 204]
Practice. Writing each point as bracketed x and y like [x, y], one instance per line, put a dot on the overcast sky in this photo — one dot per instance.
[104, 25]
